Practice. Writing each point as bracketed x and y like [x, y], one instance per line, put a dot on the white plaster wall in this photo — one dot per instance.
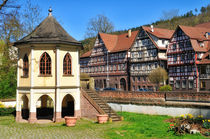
[160, 110]
[162, 55]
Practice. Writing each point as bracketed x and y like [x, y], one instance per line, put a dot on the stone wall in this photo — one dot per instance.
[87, 107]
[159, 103]
[160, 110]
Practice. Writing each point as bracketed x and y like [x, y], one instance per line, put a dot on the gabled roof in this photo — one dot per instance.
[197, 46]
[109, 40]
[115, 43]
[197, 33]
[49, 31]
[159, 32]
[87, 54]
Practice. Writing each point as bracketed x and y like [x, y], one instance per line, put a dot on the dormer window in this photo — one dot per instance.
[201, 44]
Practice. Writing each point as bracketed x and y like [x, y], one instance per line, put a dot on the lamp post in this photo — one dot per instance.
[107, 78]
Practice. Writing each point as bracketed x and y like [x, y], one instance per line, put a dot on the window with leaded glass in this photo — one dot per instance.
[25, 65]
[67, 65]
[45, 64]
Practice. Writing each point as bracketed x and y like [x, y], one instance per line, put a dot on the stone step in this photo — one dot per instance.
[103, 105]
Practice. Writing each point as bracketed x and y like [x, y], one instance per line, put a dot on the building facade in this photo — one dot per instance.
[188, 69]
[148, 53]
[107, 62]
[48, 74]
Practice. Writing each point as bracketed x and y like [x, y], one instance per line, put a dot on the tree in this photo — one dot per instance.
[100, 23]
[158, 75]
[4, 2]
[12, 28]
[31, 16]
[203, 9]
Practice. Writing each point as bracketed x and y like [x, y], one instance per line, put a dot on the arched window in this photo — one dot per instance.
[67, 65]
[45, 64]
[25, 65]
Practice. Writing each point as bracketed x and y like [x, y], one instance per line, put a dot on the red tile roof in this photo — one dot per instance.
[116, 43]
[197, 46]
[197, 33]
[87, 54]
[109, 40]
[205, 59]
[159, 32]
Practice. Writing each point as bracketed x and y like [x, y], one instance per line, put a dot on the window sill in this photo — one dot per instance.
[26, 76]
[68, 75]
[45, 75]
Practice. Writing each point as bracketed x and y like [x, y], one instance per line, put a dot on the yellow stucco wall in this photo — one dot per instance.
[69, 80]
[40, 81]
[24, 81]
[37, 79]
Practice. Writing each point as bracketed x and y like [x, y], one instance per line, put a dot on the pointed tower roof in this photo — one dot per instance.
[49, 31]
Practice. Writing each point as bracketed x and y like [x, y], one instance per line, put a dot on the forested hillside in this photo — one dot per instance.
[191, 18]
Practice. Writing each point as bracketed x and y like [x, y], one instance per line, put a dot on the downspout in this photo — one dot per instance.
[197, 74]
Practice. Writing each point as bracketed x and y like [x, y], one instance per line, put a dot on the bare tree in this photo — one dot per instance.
[31, 16]
[158, 76]
[7, 5]
[4, 2]
[100, 23]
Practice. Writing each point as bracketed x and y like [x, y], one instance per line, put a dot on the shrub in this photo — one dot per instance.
[7, 111]
[165, 88]
[206, 124]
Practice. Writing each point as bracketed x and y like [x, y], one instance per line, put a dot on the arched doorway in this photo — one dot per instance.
[45, 108]
[123, 84]
[68, 106]
[25, 108]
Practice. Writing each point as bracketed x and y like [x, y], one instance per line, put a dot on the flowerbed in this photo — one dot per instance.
[5, 111]
[188, 124]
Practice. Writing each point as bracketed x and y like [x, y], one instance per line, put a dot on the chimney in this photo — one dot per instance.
[129, 33]
[152, 28]
[207, 35]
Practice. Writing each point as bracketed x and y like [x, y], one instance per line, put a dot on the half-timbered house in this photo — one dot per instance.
[107, 62]
[188, 58]
[147, 53]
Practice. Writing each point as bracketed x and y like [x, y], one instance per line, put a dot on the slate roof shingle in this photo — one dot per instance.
[48, 31]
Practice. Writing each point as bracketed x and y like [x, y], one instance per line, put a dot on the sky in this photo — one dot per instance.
[74, 15]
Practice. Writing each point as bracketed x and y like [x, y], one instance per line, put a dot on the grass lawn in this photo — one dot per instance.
[134, 126]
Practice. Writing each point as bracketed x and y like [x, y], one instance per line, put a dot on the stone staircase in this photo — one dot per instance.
[103, 106]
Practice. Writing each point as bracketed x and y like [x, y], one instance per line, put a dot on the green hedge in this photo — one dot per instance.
[7, 111]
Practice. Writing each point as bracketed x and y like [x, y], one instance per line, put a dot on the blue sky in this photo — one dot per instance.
[74, 15]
